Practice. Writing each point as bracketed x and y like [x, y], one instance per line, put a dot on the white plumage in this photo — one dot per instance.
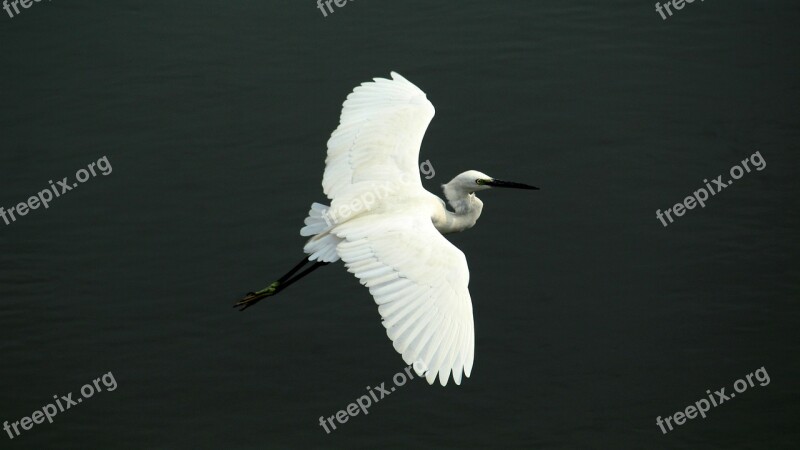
[387, 229]
[419, 281]
[417, 277]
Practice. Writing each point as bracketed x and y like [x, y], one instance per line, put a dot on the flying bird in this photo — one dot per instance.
[388, 230]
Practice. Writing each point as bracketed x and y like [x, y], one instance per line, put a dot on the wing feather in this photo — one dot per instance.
[419, 281]
[378, 138]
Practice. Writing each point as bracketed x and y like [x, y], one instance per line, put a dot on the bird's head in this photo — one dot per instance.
[474, 181]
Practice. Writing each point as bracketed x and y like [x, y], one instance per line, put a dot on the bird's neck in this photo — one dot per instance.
[467, 209]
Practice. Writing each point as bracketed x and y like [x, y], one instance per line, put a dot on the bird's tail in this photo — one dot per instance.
[317, 220]
[322, 246]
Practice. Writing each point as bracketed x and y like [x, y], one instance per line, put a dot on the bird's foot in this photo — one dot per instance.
[253, 297]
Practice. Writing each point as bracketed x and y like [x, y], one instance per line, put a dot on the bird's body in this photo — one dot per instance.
[387, 229]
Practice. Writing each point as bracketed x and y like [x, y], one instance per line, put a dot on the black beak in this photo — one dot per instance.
[510, 184]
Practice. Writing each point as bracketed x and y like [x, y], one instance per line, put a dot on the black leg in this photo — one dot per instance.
[285, 281]
[285, 284]
[294, 270]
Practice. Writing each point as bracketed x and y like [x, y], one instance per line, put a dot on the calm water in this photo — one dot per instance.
[592, 319]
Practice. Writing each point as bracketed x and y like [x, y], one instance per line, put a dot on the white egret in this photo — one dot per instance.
[387, 229]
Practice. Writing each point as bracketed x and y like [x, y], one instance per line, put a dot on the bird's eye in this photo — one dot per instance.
[479, 181]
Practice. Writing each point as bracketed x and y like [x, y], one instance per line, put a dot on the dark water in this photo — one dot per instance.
[592, 319]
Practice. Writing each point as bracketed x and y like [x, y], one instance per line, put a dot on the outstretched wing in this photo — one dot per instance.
[378, 139]
[419, 281]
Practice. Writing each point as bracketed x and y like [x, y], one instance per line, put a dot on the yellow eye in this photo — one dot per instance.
[479, 181]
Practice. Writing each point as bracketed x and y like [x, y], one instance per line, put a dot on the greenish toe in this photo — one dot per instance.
[270, 289]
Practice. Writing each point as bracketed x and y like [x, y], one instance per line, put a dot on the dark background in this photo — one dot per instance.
[591, 318]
